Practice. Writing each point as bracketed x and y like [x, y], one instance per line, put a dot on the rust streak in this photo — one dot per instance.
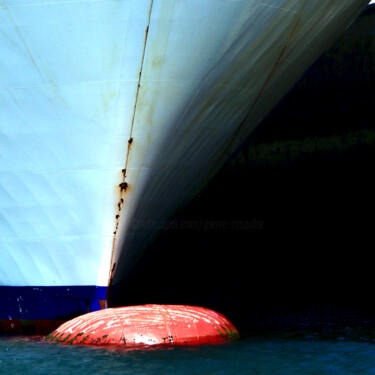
[139, 85]
[124, 185]
[271, 74]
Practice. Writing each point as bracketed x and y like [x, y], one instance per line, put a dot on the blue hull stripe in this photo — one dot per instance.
[52, 302]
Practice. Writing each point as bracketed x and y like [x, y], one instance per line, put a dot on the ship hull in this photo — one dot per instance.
[42, 309]
[114, 114]
[270, 48]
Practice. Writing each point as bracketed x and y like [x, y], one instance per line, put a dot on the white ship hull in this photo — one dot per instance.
[114, 113]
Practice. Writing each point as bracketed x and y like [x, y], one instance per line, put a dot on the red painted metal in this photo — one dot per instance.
[147, 325]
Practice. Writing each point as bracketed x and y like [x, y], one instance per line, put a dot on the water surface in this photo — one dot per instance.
[260, 355]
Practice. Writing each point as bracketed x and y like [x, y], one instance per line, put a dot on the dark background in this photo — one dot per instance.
[283, 236]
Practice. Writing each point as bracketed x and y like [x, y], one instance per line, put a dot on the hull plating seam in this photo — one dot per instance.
[124, 185]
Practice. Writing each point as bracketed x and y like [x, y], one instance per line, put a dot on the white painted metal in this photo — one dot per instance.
[69, 74]
[69, 101]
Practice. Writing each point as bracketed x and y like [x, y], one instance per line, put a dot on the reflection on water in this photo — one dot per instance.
[272, 354]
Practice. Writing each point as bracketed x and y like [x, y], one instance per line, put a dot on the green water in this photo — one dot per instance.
[275, 355]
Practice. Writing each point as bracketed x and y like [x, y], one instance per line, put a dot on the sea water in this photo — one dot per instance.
[276, 355]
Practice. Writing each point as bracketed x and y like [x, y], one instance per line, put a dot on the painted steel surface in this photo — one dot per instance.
[40, 309]
[69, 76]
[147, 325]
[212, 71]
[49, 302]
[114, 113]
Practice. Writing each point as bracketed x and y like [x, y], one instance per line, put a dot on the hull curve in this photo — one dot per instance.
[115, 113]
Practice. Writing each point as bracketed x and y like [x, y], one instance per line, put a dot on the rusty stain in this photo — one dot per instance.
[138, 87]
[139, 84]
[123, 186]
[271, 74]
[138, 99]
[277, 63]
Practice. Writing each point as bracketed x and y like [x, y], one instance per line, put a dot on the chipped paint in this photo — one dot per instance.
[147, 325]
